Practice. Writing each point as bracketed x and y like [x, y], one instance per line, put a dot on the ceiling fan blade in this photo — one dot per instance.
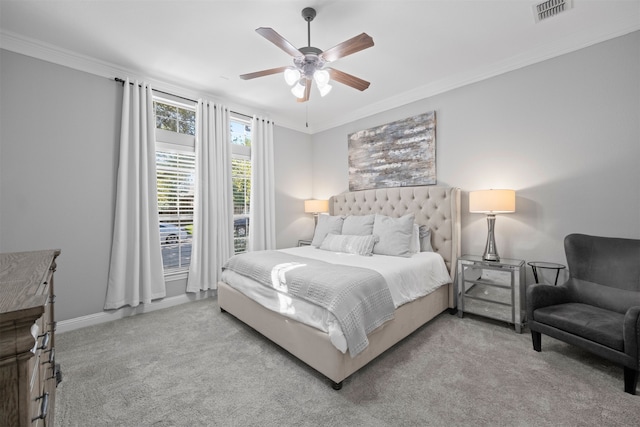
[348, 79]
[263, 73]
[353, 45]
[275, 38]
[307, 91]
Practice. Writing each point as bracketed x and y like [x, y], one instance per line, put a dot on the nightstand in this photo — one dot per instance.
[304, 242]
[492, 289]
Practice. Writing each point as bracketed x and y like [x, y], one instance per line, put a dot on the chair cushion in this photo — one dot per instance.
[589, 322]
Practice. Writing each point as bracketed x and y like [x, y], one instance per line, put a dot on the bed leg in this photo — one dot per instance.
[336, 386]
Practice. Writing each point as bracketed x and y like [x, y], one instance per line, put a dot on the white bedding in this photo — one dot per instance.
[407, 278]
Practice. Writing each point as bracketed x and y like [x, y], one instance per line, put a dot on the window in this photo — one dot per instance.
[175, 169]
[175, 118]
[241, 180]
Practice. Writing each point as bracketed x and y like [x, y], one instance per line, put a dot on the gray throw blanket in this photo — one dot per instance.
[358, 297]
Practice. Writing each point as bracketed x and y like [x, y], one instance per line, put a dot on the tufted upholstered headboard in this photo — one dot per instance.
[436, 207]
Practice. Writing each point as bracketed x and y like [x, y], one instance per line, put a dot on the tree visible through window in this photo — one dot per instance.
[175, 118]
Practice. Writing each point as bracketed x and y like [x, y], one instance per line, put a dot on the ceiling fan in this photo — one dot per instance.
[310, 63]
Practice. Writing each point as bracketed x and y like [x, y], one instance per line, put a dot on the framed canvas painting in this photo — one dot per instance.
[397, 154]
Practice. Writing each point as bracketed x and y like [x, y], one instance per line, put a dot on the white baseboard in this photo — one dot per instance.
[111, 315]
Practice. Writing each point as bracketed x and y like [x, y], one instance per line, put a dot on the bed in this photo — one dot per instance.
[436, 208]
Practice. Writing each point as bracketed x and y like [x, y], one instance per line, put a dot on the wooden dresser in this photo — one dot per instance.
[28, 372]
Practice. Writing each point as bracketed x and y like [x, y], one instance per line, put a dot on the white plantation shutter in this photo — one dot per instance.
[176, 180]
[241, 178]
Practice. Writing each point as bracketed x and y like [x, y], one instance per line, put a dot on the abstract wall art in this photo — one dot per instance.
[397, 154]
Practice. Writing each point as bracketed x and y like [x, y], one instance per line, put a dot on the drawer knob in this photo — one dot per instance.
[44, 407]
[45, 340]
[52, 356]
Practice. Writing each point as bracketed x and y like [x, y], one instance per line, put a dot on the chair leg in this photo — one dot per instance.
[536, 337]
[630, 380]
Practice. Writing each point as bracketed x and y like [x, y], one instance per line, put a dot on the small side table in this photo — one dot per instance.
[492, 289]
[535, 265]
[304, 242]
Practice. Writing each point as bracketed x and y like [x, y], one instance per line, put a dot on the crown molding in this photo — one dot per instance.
[46, 52]
[50, 53]
[543, 53]
[56, 55]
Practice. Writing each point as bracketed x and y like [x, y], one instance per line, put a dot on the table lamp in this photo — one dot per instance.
[492, 202]
[315, 207]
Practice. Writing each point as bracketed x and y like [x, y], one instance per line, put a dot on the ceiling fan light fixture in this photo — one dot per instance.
[298, 90]
[324, 89]
[309, 61]
[291, 76]
[321, 77]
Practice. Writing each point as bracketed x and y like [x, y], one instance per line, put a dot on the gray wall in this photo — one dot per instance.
[294, 183]
[59, 151]
[59, 131]
[564, 133]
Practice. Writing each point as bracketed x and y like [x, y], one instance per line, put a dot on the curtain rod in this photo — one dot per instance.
[119, 80]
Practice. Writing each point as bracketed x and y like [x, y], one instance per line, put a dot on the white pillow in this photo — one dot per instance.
[326, 224]
[358, 225]
[361, 245]
[425, 239]
[395, 235]
[414, 248]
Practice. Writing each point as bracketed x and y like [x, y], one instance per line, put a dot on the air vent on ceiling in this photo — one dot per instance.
[551, 8]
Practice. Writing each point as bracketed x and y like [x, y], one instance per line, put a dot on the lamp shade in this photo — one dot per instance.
[298, 90]
[291, 76]
[321, 77]
[492, 201]
[316, 206]
[324, 90]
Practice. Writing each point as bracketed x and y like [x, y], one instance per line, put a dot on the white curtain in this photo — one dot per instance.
[262, 228]
[213, 205]
[135, 273]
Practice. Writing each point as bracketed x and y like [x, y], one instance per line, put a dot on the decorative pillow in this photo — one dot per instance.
[415, 240]
[425, 239]
[360, 245]
[358, 225]
[326, 224]
[395, 235]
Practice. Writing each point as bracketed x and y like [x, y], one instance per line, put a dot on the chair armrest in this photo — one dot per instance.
[631, 333]
[540, 295]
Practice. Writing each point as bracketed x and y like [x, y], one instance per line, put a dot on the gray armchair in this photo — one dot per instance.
[598, 307]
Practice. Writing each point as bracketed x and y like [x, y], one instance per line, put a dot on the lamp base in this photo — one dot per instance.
[490, 250]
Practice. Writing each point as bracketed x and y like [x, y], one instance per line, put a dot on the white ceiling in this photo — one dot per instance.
[421, 47]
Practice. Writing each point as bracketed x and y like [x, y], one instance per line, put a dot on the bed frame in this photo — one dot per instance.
[435, 207]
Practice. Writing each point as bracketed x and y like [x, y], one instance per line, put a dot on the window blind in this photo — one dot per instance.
[176, 188]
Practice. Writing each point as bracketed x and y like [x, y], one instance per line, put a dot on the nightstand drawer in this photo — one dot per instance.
[491, 302]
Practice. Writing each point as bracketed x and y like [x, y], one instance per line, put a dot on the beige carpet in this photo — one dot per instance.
[191, 365]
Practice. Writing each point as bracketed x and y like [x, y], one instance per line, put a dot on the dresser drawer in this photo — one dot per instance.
[27, 355]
